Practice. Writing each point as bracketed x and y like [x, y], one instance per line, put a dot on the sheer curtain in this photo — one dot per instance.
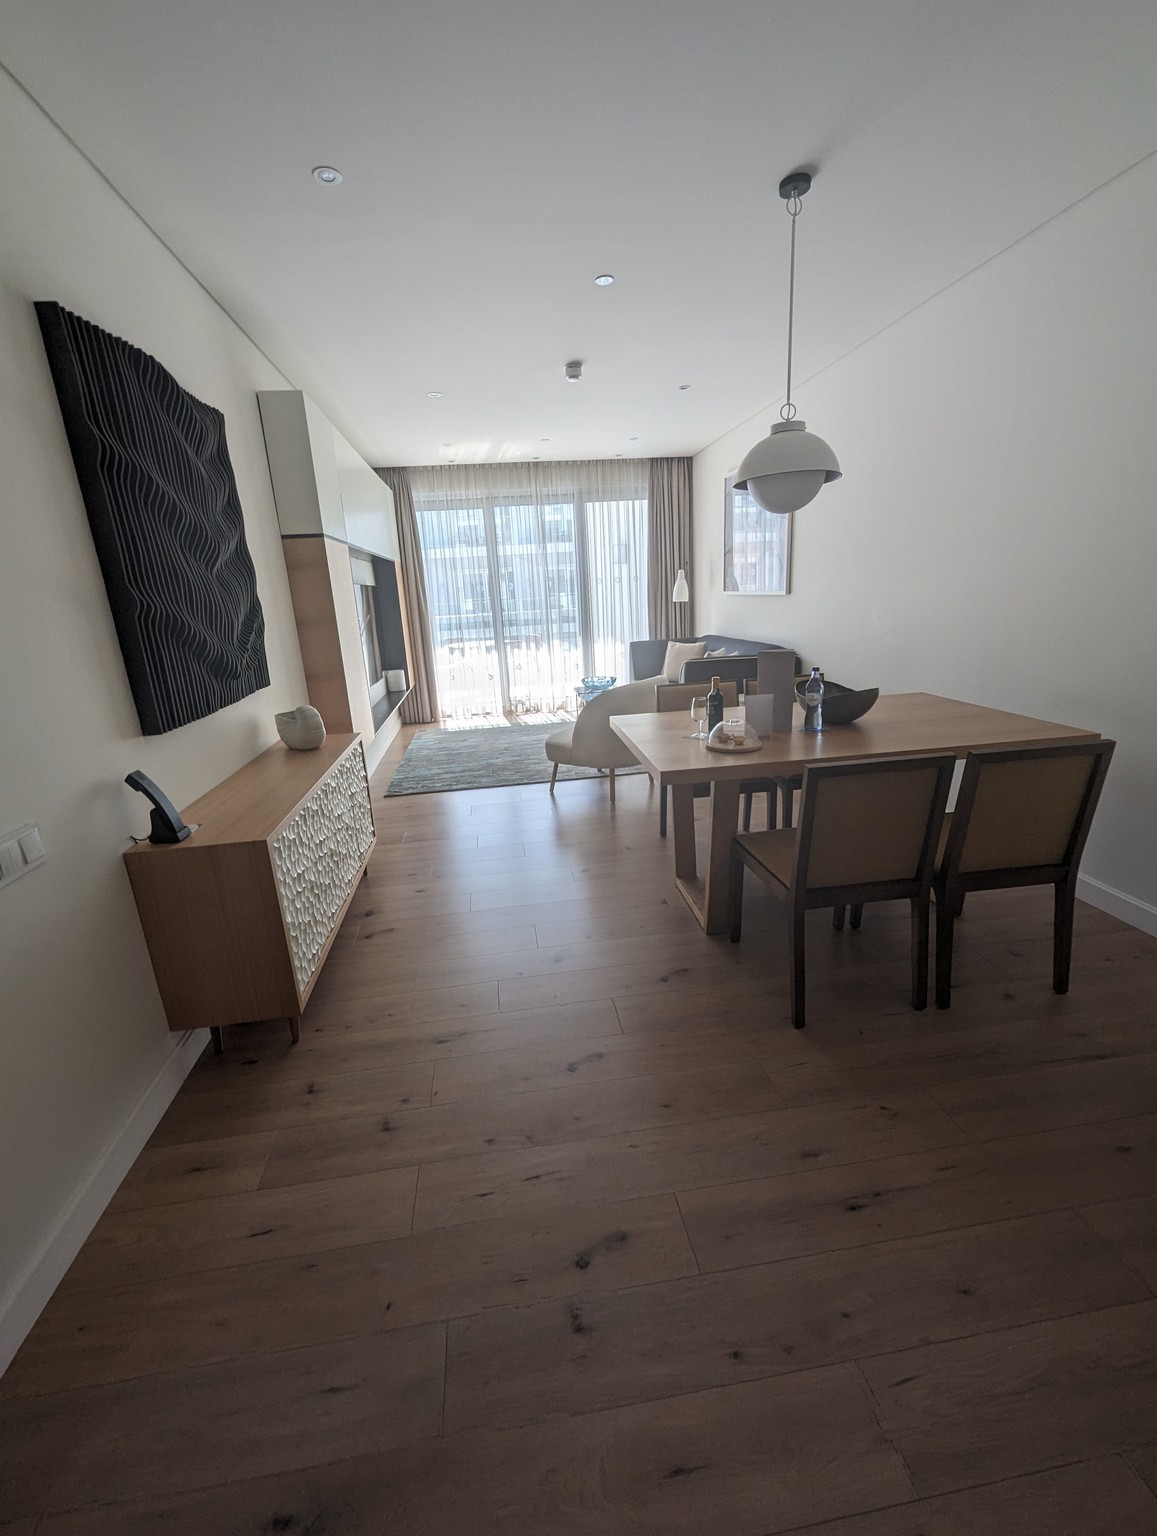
[536, 577]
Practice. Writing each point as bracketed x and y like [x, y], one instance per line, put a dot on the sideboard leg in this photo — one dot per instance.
[295, 1027]
[218, 1045]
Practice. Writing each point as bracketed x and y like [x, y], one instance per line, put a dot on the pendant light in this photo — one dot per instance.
[788, 468]
[681, 592]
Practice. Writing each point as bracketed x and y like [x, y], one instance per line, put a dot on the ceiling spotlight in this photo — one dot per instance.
[326, 175]
[632, 439]
[788, 468]
[544, 439]
[573, 371]
[684, 386]
[604, 280]
[433, 394]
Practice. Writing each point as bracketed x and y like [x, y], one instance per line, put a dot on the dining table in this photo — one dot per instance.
[898, 724]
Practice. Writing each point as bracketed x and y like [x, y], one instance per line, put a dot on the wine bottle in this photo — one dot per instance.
[714, 706]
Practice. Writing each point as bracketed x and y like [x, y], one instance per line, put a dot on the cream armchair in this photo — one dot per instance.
[590, 742]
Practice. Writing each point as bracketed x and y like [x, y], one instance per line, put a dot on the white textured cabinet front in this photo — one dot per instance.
[317, 856]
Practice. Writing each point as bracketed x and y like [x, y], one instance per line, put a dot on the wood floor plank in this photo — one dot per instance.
[514, 1364]
[385, 941]
[889, 1066]
[265, 1054]
[165, 1175]
[555, 1063]
[86, 1339]
[674, 1158]
[1144, 1463]
[1052, 1096]
[429, 1005]
[746, 1460]
[1094, 1498]
[1021, 1400]
[374, 979]
[194, 1429]
[857, 1203]
[510, 899]
[700, 969]
[512, 1121]
[205, 1235]
[1131, 1227]
[274, 1105]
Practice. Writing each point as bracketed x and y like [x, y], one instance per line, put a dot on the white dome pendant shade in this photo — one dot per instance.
[788, 469]
[791, 465]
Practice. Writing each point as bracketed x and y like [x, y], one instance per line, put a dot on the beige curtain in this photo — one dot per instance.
[421, 708]
[668, 546]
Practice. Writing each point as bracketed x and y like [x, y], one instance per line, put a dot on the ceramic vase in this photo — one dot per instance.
[302, 728]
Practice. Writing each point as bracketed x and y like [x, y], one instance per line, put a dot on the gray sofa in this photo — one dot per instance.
[738, 666]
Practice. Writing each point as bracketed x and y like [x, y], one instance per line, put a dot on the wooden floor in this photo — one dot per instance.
[552, 1226]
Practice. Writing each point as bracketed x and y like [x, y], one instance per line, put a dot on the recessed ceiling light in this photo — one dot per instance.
[632, 439]
[544, 439]
[447, 445]
[684, 386]
[326, 175]
[433, 394]
[604, 280]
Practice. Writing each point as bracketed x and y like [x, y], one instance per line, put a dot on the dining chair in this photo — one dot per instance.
[1022, 817]
[590, 742]
[678, 696]
[867, 831]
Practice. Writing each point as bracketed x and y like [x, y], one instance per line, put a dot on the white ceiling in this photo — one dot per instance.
[498, 154]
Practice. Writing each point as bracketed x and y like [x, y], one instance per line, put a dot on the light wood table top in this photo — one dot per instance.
[899, 723]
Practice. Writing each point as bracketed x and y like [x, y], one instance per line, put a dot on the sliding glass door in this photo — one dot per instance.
[531, 586]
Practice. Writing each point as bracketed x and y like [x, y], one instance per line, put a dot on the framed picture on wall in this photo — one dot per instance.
[756, 545]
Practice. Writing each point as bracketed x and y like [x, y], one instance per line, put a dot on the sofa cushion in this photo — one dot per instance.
[679, 651]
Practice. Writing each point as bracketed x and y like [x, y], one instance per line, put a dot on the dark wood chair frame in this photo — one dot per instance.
[802, 900]
[950, 885]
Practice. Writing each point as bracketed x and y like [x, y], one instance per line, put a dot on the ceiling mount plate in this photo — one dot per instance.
[795, 185]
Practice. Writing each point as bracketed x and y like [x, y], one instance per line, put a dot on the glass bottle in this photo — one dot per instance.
[714, 706]
[813, 701]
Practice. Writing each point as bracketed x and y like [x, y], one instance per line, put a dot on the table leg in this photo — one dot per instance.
[683, 819]
[722, 828]
[708, 898]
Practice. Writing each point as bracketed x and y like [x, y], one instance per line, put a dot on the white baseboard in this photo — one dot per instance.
[1128, 908]
[29, 1296]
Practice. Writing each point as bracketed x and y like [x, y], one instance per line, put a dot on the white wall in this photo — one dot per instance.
[83, 1039]
[994, 537]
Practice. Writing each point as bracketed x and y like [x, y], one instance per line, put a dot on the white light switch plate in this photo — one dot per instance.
[20, 851]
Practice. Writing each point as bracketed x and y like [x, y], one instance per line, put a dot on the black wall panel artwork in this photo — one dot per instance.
[162, 504]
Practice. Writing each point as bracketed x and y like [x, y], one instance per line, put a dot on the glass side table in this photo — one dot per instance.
[590, 688]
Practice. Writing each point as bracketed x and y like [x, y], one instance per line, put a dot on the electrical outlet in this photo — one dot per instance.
[20, 851]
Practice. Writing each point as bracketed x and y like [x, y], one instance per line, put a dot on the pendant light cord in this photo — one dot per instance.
[787, 410]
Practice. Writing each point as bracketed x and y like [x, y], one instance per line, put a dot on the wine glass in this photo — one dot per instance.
[699, 716]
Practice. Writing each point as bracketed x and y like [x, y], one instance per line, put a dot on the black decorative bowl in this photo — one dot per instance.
[842, 705]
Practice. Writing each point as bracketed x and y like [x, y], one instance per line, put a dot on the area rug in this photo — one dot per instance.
[515, 754]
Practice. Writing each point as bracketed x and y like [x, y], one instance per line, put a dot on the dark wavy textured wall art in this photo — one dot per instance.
[162, 503]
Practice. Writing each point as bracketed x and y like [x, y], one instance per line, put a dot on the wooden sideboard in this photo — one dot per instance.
[240, 917]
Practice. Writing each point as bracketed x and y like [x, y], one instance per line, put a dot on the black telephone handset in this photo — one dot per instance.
[165, 817]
